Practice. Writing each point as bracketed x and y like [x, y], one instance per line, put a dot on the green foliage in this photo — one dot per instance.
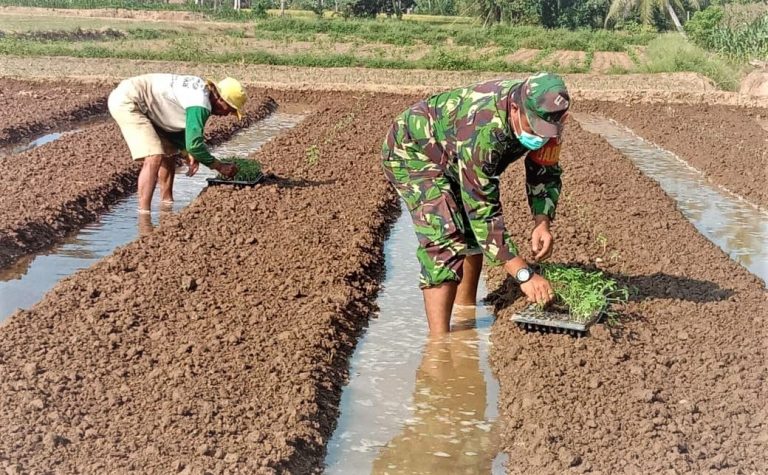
[313, 155]
[703, 24]
[223, 12]
[247, 169]
[672, 53]
[436, 7]
[738, 41]
[584, 293]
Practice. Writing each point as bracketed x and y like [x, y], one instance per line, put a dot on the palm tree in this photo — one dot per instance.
[647, 7]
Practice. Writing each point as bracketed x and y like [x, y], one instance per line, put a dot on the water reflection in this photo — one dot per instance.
[448, 431]
[732, 223]
[25, 282]
[414, 404]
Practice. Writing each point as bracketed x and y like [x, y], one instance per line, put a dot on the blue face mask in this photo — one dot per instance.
[529, 141]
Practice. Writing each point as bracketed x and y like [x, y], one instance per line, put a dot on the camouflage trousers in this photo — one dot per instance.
[434, 201]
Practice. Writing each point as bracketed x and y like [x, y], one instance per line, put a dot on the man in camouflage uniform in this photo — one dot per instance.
[444, 156]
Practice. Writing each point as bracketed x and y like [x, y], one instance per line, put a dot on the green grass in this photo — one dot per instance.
[463, 34]
[584, 293]
[671, 53]
[247, 169]
[188, 49]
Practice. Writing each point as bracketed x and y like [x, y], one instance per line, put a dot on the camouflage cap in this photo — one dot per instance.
[545, 100]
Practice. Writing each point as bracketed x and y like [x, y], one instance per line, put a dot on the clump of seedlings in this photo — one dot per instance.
[581, 298]
[247, 170]
[583, 294]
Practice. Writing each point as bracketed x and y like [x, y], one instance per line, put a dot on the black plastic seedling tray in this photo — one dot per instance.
[534, 319]
[238, 183]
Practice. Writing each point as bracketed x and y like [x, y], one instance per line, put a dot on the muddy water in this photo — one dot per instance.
[49, 137]
[24, 283]
[416, 404]
[735, 225]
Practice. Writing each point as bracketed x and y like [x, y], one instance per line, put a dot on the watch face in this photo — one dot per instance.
[523, 275]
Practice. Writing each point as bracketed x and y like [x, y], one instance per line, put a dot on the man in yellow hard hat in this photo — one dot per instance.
[162, 114]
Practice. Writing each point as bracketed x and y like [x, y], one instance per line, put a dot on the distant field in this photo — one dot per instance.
[302, 39]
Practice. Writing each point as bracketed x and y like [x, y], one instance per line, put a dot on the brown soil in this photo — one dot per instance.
[603, 61]
[678, 88]
[755, 84]
[680, 387]
[220, 341]
[565, 59]
[522, 55]
[54, 189]
[726, 143]
[35, 107]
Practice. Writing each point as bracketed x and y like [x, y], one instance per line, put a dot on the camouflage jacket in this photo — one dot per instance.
[468, 132]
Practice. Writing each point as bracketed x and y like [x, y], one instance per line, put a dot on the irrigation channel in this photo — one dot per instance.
[736, 226]
[49, 137]
[416, 404]
[25, 282]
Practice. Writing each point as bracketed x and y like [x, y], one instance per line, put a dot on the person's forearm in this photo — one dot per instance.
[515, 264]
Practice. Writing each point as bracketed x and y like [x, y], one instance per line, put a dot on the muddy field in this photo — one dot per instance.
[53, 189]
[184, 353]
[728, 144]
[31, 108]
[680, 388]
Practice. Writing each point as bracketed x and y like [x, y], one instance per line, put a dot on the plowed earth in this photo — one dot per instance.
[220, 341]
[727, 144]
[680, 386]
[56, 188]
[35, 107]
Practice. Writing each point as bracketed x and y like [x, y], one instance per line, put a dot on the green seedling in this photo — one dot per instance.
[247, 169]
[313, 155]
[583, 293]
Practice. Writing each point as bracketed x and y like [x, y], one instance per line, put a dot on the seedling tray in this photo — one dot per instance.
[558, 321]
[237, 183]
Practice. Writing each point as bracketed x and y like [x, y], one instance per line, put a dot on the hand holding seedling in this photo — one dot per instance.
[537, 289]
[541, 239]
[226, 169]
[192, 166]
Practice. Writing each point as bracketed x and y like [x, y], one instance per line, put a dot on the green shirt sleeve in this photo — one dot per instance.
[195, 135]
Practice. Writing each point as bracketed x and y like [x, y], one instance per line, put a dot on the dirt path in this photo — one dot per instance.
[183, 352]
[31, 108]
[726, 143]
[54, 189]
[627, 89]
[681, 388]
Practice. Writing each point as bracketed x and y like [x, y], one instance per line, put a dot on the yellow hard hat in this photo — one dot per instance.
[233, 94]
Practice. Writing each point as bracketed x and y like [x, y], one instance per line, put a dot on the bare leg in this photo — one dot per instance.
[165, 178]
[467, 291]
[148, 180]
[438, 302]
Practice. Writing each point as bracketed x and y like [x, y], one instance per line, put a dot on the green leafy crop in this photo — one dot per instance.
[584, 293]
[247, 169]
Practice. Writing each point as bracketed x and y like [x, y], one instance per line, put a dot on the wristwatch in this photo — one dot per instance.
[523, 275]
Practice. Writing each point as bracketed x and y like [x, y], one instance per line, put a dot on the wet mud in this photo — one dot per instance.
[679, 385]
[220, 340]
[54, 189]
[31, 107]
[727, 144]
